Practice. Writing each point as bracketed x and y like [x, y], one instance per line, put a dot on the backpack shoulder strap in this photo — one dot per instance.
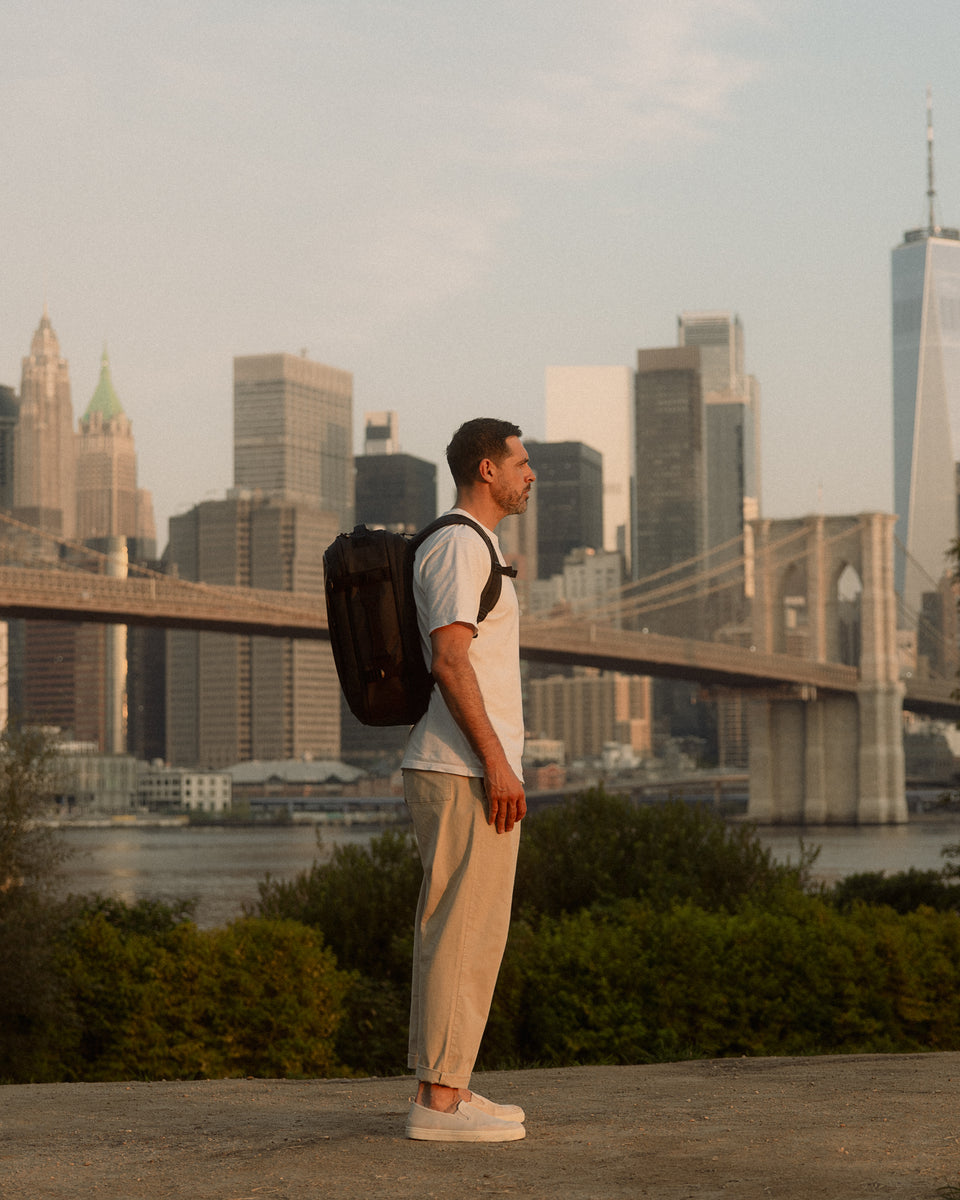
[492, 588]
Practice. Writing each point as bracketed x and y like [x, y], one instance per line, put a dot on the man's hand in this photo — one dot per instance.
[506, 801]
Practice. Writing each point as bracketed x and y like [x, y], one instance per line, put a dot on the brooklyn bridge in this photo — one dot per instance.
[826, 674]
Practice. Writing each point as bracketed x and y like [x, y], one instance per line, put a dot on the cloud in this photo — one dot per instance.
[597, 89]
[644, 79]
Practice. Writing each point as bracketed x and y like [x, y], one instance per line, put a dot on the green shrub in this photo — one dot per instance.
[363, 903]
[35, 1009]
[631, 983]
[904, 891]
[172, 1001]
[598, 848]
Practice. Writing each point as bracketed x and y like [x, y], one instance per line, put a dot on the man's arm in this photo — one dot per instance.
[457, 681]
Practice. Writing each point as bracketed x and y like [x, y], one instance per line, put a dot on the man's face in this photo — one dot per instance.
[513, 477]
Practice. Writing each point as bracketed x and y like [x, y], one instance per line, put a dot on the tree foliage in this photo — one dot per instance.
[31, 999]
[30, 853]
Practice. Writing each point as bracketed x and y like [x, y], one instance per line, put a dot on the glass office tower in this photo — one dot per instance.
[732, 411]
[926, 405]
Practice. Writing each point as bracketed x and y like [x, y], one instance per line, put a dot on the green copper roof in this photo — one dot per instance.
[105, 400]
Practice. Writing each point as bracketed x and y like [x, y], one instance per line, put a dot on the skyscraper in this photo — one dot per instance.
[74, 675]
[109, 502]
[670, 485]
[393, 490]
[43, 669]
[114, 517]
[570, 488]
[925, 275]
[233, 698]
[731, 403]
[44, 482]
[9, 415]
[293, 431]
[594, 405]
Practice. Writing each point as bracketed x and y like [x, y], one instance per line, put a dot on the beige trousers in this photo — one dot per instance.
[463, 917]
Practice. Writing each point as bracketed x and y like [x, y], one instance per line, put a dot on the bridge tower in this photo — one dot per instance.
[825, 590]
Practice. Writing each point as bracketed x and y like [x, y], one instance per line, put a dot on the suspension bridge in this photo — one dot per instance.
[795, 613]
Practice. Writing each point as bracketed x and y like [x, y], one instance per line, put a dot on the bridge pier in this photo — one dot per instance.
[830, 760]
[822, 758]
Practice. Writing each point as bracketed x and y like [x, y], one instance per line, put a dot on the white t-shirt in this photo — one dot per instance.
[450, 571]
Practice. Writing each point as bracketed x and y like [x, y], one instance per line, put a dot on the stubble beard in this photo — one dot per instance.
[513, 504]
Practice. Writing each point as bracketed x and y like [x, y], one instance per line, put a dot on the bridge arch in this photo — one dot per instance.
[828, 757]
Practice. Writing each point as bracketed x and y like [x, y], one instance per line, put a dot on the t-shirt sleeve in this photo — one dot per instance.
[453, 573]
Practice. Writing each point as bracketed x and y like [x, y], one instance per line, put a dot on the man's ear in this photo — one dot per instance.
[486, 469]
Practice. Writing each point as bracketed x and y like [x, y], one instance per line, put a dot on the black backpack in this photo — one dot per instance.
[372, 616]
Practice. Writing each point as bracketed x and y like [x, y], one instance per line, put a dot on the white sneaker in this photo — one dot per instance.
[466, 1123]
[506, 1112]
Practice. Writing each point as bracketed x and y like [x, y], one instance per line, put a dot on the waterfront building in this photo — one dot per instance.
[90, 782]
[594, 405]
[163, 789]
[925, 282]
[590, 710]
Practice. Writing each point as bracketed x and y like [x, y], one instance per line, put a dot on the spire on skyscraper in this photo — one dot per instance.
[104, 399]
[931, 229]
[44, 344]
[931, 190]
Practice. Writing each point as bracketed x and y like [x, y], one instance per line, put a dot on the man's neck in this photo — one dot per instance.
[479, 507]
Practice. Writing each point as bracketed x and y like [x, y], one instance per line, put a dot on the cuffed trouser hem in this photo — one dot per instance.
[444, 1078]
[463, 916]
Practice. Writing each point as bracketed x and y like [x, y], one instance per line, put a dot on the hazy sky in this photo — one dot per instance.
[445, 198]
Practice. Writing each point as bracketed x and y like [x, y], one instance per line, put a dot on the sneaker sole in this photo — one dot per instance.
[467, 1135]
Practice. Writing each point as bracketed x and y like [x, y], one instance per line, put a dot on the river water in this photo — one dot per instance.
[220, 866]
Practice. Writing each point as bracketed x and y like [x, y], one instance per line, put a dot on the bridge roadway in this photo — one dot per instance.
[172, 603]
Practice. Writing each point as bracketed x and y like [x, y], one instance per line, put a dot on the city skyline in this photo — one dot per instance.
[445, 204]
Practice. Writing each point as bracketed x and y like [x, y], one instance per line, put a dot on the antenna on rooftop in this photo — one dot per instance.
[931, 191]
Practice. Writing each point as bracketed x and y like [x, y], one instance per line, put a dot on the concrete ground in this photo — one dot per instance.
[836, 1128]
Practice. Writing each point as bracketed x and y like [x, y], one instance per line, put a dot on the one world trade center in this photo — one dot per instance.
[926, 398]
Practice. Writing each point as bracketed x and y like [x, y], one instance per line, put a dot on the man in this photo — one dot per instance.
[462, 783]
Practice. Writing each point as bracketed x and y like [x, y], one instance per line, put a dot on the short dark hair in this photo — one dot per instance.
[483, 437]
